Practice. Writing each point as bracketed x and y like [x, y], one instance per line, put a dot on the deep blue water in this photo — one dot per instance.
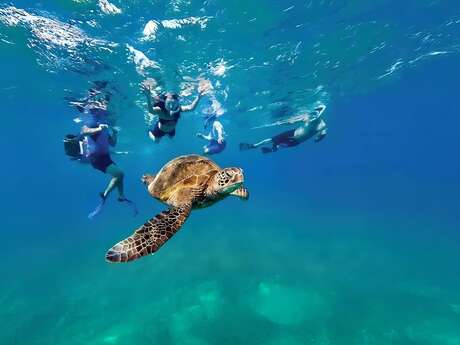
[353, 240]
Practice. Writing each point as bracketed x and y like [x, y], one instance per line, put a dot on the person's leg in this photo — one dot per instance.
[263, 142]
[105, 164]
[244, 146]
[156, 133]
[213, 147]
[116, 181]
[274, 148]
[280, 141]
[155, 139]
[320, 136]
[172, 134]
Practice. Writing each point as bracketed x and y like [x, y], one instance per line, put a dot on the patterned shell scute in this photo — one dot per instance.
[192, 171]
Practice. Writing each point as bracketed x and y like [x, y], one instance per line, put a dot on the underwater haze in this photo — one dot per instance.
[353, 240]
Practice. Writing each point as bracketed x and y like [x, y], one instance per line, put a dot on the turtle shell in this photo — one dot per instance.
[191, 171]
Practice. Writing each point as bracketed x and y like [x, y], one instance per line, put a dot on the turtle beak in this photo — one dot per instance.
[239, 176]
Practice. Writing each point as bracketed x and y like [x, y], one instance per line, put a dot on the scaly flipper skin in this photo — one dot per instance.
[151, 236]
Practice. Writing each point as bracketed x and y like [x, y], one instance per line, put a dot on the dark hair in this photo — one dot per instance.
[174, 95]
[160, 98]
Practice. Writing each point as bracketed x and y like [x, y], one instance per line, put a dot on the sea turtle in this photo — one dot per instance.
[185, 183]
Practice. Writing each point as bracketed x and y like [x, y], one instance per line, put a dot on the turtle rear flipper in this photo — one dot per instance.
[150, 236]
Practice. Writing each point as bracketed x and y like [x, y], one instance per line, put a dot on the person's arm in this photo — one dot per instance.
[320, 136]
[148, 94]
[85, 131]
[113, 137]
[191, 106]
[152, 110]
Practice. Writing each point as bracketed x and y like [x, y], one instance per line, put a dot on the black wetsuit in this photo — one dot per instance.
[285, 139]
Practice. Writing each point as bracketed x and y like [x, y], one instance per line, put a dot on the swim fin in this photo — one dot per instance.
[267, 150]
[98, 208]
[130, 203]
[244, 146]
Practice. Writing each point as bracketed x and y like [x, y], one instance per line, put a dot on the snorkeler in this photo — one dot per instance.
[99, 137]
[94, 106]
[168, 109]
[216, 136]
[314, 126]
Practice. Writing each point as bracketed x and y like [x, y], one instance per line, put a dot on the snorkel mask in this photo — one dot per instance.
[172, 103]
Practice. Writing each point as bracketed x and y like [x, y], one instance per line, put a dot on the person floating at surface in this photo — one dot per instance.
[168, 109]
[99, 137]
[216, 136]
[314, 126]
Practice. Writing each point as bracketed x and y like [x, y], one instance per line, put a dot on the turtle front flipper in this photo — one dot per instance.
[150, 236]
[241, 193]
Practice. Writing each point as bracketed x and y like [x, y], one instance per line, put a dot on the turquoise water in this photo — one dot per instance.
[353, 240]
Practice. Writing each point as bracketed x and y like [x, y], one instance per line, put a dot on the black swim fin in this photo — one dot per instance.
[244, 146]
[267, 150]
[130, 203]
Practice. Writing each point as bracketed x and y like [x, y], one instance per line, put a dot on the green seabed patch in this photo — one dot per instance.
[286, 305]
[255, 284]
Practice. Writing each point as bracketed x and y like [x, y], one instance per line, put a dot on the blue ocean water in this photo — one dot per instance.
[352, 240]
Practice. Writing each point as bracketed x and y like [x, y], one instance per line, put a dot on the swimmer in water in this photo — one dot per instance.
[168, 108]
[313, 126]
[216, 136]
[98, 138]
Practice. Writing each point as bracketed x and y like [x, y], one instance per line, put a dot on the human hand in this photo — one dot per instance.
[200, 135]
[103, 126]
[145, 88]
[220, 140]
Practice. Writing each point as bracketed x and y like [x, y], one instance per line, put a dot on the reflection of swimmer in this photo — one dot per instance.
[313, 127]
[216, 136]
[168, 109]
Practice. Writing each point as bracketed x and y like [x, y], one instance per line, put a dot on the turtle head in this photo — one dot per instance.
[227, 180]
